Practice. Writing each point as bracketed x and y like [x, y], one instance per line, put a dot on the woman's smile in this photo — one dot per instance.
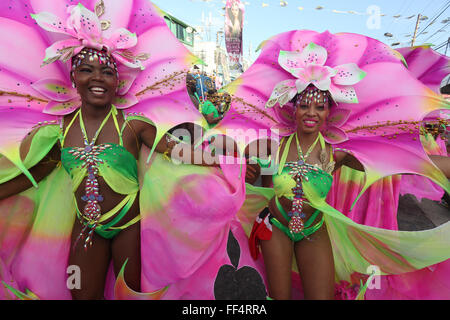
[310, 123]
[98, 91]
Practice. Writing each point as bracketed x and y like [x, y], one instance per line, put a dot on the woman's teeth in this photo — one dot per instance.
[97, 90]
[310, 123]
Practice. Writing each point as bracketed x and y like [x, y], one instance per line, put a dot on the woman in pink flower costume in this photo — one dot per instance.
[88, 210]
[322, 93]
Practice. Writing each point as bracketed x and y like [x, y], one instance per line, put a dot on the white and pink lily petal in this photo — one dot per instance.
[282, 93]
[312, 54]
[85, 23]
[52, 23]
[344, 94]
[348, 74]
[319, 76]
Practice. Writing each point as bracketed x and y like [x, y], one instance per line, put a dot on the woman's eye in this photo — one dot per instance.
[85, 70]
[320, 108]
[303, 106]
[108, 72]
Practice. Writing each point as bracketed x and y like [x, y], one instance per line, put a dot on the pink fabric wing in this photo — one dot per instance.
[427, 65]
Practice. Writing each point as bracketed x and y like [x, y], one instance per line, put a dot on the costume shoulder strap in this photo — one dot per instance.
[68, 127]
[284, 155]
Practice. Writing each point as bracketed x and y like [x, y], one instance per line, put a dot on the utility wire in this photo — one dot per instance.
[448, 23]
[440, 46]
[447, 5]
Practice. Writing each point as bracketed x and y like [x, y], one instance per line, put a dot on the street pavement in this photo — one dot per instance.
[414, 215]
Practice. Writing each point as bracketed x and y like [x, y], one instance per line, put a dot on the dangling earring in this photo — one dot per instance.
[73, 85]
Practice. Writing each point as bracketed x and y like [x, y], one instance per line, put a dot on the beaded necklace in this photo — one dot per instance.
[89, 155]
[299, 171]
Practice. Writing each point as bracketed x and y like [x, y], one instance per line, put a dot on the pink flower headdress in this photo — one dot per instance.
[84, 29]
[308, 67]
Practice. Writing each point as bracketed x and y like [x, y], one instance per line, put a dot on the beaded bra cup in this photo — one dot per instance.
[110, 156]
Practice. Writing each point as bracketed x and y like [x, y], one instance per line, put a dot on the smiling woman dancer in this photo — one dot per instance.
[84, 190]
[99, 150]
[323, 104]
[289, 213]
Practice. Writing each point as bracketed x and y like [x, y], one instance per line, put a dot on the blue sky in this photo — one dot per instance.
[265, 18]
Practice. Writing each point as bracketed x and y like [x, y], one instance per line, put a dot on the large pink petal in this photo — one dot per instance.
[338, 116]
[62, 108]
[168, 110]
[55, 89]
[126, 101]
[399, 97]
[86, 24]
[48, 21]
[123, 39]
[18, 38]
[427, 65]
[126, 79]
[118, 13]
[283, 129]
[334, 135]
[172, 55]
[392, 154]
[149, 17]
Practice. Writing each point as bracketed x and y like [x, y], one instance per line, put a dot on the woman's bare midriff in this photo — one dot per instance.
[287, 206]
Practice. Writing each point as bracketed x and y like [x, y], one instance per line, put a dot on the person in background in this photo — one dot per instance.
[209, 110]
[190, 84]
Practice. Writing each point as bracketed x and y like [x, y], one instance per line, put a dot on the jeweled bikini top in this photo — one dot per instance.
[115, 164]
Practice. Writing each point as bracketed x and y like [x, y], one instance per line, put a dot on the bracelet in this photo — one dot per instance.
[166, 155]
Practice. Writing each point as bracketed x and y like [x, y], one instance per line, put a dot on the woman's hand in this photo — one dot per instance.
[346, 159]
[252, 173]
